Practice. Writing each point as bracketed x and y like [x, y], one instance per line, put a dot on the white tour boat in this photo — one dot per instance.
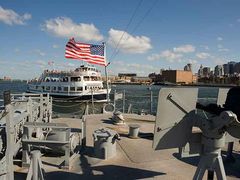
[84, 83]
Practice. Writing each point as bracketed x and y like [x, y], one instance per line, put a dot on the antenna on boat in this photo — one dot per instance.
[106, 73]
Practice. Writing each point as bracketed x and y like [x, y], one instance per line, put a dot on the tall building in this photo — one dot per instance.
[218, 71]
[237, 68]
[226, 70]
[188, 67]
[200, 71]
[231, 67]
[206, 71]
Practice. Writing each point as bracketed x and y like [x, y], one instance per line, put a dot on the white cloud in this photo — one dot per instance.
[16, 50]
[204, 47]
[129, 43]
[65, 27]
[203, 55]
[223, 50]
[39, 52]
[219, 46]
[218, 61]
[188, 48]
[10, 17]
[192, 61]
[140, 69]
[41, 62]
[219, 38]
[55, 46]
[167, 54]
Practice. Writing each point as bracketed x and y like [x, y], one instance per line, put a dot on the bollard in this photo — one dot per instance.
[105, 143]
[133, 130]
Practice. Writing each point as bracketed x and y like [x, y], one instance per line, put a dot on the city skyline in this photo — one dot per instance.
[149, 35]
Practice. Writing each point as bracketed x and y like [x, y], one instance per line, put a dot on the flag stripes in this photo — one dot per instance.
[90, 53]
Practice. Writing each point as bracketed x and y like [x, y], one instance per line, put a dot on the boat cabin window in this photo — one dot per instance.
[65, 79]
[79, 88]
[75, 79]
[85, 87]
[72, 88]
[47, 79]
[54, 88]
[47, 88]
[94, 78]
[65, 89]
[86, 78]
[43, 87]
[59, 88]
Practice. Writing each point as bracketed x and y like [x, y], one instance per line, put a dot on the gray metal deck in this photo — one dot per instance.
[135, 158]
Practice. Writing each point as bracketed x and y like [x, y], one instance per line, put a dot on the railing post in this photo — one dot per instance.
[84, 126]
[123, 104]
[114, 99]
[41, 107]
[50, 110]
[29, 109]
[151, 101]
[10, 142]
[92, 101]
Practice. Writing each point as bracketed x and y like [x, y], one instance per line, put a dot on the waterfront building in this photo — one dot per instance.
[231, 67]
[178, 76]
[226, 70]
[7, 78]
[236, 68]
[200, 71]
[126, 77]
[218, 71]
[142, 80]
[188, 67]
[206, 71]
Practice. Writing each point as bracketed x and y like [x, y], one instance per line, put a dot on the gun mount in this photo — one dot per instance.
[178, 129]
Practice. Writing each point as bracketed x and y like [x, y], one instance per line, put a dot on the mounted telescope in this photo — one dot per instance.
[178, 125]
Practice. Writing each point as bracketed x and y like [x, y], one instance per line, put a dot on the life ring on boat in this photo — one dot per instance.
[108, 108]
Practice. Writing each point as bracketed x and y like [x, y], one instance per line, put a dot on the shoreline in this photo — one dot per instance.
[179, 85]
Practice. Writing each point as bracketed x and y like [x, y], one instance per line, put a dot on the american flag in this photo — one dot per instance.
[90, 53]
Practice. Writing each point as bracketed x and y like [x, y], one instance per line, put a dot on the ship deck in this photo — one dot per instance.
[135, 158]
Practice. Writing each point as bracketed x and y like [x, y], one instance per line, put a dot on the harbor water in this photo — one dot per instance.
[138, 97]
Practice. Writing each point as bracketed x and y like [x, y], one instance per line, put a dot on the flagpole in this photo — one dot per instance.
[106, 73]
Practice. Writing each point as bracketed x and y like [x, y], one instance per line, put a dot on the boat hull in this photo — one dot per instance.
[95, 97]
[62, 97]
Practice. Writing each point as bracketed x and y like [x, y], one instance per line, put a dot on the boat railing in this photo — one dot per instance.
[122, 100]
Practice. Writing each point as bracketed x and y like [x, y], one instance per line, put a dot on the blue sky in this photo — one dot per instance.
[160, 34]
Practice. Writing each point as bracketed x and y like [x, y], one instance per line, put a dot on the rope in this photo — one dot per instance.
[145, 15]
[115, 52]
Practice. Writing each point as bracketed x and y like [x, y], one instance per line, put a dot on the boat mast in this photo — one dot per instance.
[106, 73]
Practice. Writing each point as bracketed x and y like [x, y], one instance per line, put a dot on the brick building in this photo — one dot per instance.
[178, 76]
